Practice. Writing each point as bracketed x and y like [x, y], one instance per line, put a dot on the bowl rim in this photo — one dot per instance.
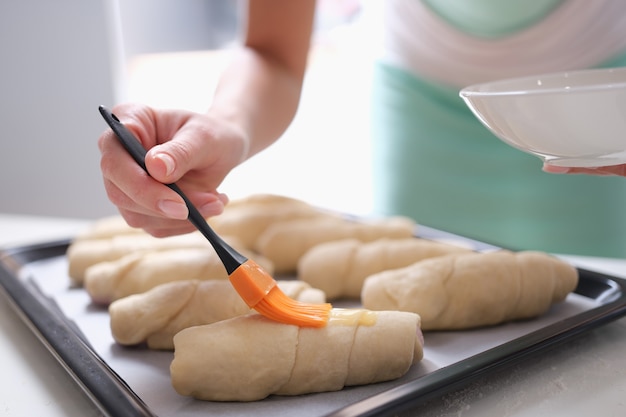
[477, 90]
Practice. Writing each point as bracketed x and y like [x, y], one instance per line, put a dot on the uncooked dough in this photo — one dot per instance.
[474, 289]
[250, 357]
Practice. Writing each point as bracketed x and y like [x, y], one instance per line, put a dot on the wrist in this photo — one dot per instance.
[232, 133]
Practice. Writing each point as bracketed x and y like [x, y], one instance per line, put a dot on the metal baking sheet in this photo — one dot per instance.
[135, 381]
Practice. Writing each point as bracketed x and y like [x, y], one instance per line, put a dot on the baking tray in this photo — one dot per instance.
[135, 381]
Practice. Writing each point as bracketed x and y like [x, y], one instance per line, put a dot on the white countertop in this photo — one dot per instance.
[584, 377]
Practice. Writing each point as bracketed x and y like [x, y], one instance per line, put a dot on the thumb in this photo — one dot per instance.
[170, 161]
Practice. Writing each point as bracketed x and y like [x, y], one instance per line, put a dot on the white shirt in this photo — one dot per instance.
[577, 34]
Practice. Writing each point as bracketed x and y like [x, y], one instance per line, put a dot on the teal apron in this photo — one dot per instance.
[435, 162]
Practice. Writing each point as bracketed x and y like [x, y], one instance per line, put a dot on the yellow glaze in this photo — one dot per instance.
[351, 317]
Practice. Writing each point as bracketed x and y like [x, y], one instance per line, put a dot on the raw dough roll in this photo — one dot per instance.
[248, 358]
[285, 243]
[263, 200]
[138, 272]
[83, 253]
[158, 314]
[247, 218]
[475, 289]
[339, 268]
[107, 227]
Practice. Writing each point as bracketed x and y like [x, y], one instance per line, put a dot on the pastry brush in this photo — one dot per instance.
[253, 284]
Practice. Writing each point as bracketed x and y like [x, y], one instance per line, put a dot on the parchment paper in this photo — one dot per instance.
[147, 372]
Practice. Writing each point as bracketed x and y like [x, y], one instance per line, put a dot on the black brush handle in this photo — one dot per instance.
[229, 257]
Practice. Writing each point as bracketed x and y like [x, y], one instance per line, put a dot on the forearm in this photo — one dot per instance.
[260, 90]
[259, 95]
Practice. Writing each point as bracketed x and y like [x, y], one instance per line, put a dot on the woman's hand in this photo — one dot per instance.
[194, 150]
[604, 171]
[255, 100]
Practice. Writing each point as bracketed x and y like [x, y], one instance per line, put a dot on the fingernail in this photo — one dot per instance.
[167, 161]
[173, 209]
[212, 208]
[554, 169]
[557, 169]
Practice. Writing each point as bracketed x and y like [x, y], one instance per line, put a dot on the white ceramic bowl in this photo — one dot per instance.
[573, 119]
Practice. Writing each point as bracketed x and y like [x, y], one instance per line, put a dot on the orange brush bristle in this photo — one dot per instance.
[260, 291]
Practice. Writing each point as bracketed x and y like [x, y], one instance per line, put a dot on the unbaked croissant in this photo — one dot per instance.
[250, 357]
[475, 289]
[83, 253]
[247, 218]
[158, 314]
[286, 242]
[107, 227]
[138, 272]
[339, 268]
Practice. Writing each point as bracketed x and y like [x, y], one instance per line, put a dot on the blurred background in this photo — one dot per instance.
[62, 59]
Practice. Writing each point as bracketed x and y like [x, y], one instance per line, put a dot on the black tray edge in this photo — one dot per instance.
[445, 380]
[101, 384]
[114, 397]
